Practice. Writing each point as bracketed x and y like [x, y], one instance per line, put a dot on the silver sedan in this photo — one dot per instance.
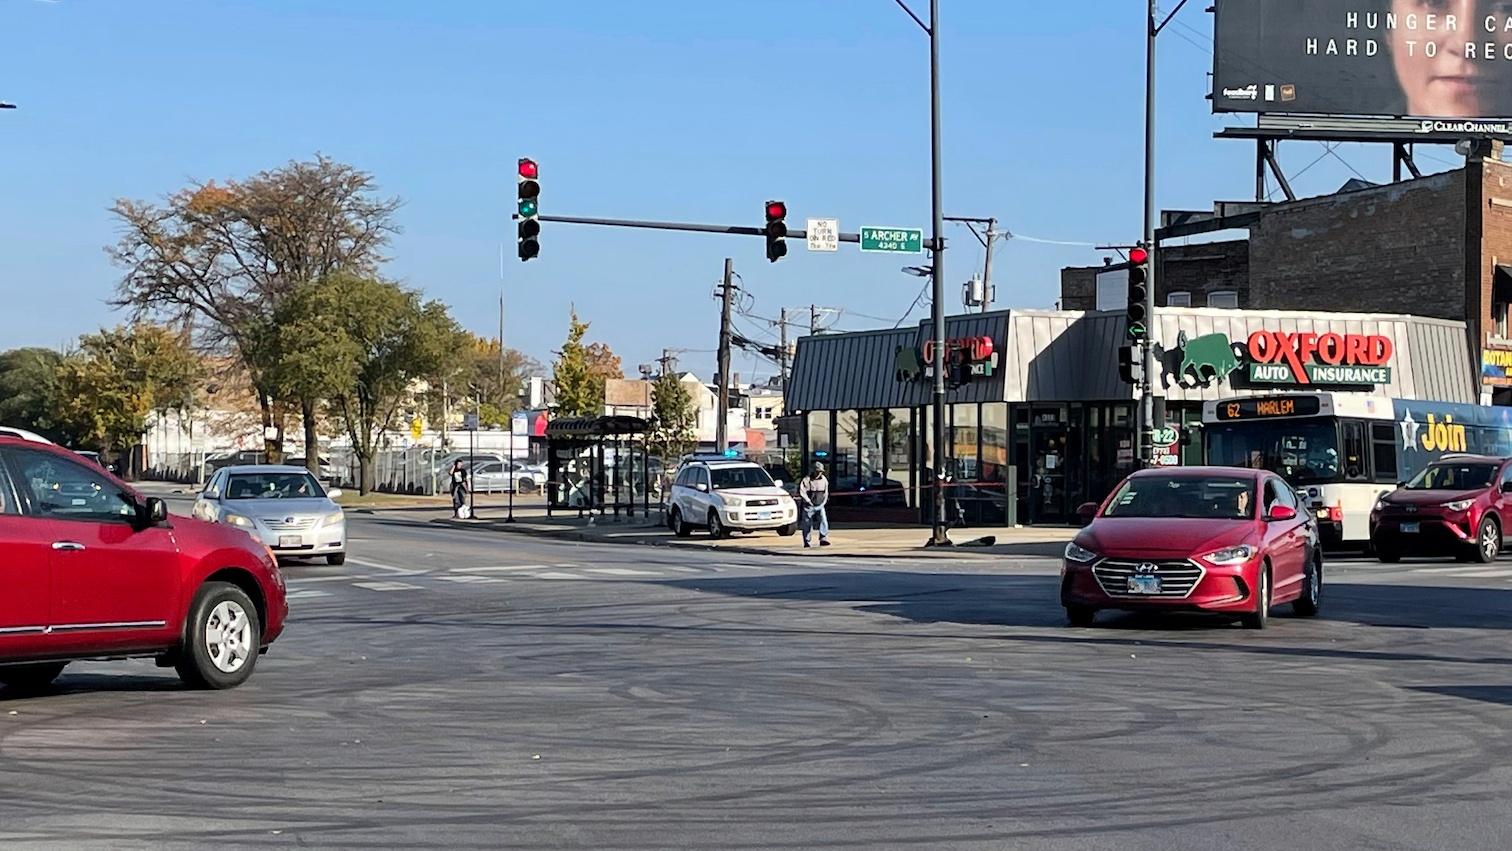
[284, 507]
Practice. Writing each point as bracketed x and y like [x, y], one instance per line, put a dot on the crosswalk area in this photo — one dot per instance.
[370, 577]
[1494, 573]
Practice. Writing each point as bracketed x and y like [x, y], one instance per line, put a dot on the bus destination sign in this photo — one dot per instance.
[1272, 406]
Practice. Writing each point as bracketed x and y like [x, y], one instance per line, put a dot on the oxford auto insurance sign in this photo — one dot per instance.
[1283, 358]
[1276, 357]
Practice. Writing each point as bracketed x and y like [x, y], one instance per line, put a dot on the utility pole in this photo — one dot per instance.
[813, 320]
[987, 266]
[782, 351]
[726, 299]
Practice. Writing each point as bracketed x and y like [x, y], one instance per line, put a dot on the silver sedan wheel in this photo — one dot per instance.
[228, 636]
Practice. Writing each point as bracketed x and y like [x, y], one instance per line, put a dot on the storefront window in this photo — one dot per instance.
[993, 479]
[898, 449]
[844, 458]
[818, 439]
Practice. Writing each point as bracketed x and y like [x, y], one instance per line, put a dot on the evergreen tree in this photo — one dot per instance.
[673, 432]
[579, 389]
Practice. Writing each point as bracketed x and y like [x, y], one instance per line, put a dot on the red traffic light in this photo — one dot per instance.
[1138, 256]
[528, 168]
[776, 210]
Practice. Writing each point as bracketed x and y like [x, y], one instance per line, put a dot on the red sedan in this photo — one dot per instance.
[91, 569]
[1211, 539]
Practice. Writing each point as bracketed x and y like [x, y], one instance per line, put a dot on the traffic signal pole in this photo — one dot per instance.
[937, 275]
[1147, 345]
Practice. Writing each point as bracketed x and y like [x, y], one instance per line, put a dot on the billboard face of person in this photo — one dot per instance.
[1441, 59]
[1457, 81]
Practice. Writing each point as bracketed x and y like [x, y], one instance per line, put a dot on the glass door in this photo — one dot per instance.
[1049, 444]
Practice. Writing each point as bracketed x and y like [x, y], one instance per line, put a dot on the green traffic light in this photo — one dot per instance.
[527, 208]
[1136, 330]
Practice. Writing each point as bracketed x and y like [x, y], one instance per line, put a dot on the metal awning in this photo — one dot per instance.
[585, 427]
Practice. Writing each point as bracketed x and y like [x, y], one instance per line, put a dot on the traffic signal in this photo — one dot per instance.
[1138, 275]
[776, 230]
[529, 192]
[1129, 367]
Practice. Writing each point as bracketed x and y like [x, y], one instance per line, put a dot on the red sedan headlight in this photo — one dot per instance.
[1230, 555]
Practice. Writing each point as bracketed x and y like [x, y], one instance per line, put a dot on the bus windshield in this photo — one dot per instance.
[1302, 451]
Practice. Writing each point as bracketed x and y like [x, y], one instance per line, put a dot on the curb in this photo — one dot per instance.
[579, 536]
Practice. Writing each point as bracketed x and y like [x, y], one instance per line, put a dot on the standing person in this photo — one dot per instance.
[458, 483]
[813, 492]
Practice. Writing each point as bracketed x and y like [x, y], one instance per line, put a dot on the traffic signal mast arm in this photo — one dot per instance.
[739, 230]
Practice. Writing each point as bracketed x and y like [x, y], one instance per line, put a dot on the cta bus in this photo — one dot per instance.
[1343, 450]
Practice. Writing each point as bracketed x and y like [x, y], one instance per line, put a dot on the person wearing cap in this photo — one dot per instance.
[813, 492]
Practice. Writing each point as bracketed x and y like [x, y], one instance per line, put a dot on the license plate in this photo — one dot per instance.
[1411, 528]
[1144, 584]
[287, 541]
[763, 515]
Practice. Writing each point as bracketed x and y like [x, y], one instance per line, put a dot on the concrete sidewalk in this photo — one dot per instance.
[858, 540]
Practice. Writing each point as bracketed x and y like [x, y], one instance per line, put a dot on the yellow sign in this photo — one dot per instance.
[416, 428]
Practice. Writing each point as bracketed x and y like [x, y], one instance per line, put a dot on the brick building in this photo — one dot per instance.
[1211, 274]
[1438, 246]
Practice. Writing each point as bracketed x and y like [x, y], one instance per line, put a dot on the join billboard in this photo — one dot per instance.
[1444, 61]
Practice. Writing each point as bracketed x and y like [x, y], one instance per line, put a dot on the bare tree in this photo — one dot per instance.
[225, 257]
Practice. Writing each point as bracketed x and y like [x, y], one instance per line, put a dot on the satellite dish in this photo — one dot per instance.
[1464, 147]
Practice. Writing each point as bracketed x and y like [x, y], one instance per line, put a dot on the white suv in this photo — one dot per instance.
[727, 495]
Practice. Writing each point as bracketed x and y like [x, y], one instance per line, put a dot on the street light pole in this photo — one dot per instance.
[937, 310]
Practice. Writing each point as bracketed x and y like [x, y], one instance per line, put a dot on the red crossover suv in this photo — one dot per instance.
[1455, 506]
[89, 569]
[1210, 539]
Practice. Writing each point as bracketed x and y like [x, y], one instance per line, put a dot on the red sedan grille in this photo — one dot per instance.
[1177, 578]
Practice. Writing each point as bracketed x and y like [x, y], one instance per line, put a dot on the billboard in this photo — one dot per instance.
[1445, 61]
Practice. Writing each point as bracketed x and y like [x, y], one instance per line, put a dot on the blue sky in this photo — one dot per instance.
[685, 110]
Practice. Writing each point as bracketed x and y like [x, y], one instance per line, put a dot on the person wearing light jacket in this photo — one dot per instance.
[813, 494]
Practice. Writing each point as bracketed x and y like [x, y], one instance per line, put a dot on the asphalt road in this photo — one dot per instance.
[488, 690]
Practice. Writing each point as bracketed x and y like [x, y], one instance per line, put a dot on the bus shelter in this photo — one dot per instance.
[598, 464]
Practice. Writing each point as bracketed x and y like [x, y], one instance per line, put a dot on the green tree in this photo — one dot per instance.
[227, 256]
[579, 388]
[117, 378]
[29, 391]
[674, 419]
[375, 342]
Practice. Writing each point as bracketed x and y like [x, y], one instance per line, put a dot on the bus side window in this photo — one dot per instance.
[1383, 447]
[1354, 451]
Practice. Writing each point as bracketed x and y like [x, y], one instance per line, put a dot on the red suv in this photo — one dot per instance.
[1211, 539]
[89, 569]
[1455, 506]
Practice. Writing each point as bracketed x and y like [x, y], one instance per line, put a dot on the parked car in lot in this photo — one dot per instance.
[1455, 506]
[501, 477]
[723, 496]
[285, 508]
[89, 568]
[1212, 539]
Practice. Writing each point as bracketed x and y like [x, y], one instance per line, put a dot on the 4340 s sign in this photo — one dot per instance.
[1276, 357]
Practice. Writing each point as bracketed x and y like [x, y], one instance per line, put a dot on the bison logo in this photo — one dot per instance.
[1198, 362]
[906, 364]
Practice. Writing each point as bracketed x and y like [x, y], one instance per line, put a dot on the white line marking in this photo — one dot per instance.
[498, 568]
[397, 571]
[387, 586]
[465, 578]
[306, 595]
[1476, 572]
[553, 575]
[623, 571]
